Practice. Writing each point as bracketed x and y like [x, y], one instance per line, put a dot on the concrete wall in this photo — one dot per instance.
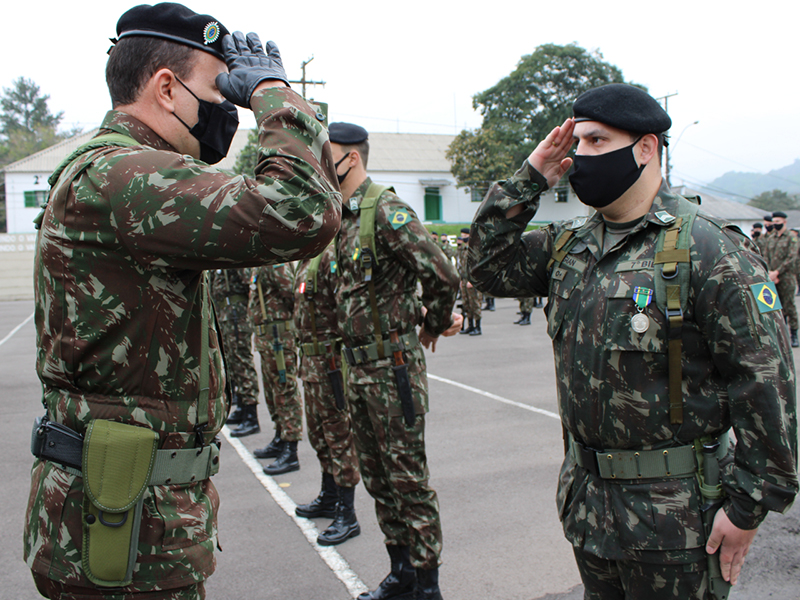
[16, 266]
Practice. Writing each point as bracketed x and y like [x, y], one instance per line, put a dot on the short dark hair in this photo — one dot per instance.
[362, 149]
[134, 60]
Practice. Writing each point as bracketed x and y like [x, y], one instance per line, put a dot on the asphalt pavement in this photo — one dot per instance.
[494, 449]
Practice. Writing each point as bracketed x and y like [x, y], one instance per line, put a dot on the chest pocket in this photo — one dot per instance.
[621, 308]
[563, 286]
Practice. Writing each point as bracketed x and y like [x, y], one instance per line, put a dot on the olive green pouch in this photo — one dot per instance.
[117, 464]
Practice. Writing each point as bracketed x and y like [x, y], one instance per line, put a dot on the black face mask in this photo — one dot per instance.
[216, 126]
[777, 226]
[770, 227]
[600, 179]
[341, 178]
[756, 234]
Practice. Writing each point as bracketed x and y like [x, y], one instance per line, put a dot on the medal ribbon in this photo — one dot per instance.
[642, 297]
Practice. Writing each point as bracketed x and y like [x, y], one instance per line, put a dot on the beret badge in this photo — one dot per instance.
[211, 33]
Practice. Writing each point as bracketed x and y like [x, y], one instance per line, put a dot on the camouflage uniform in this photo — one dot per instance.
[613, 383]
[391, 454]
[471, 298]
[448, 249]
[230, 289]
[526, 305]
[283, 397]
[119, 295]
[780, 254]
[329, 429]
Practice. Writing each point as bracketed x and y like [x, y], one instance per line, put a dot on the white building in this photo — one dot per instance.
[414, 164]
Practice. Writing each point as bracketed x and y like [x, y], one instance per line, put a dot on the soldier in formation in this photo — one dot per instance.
[327, 416]
[780, 251]
[272, 307]
[382, 252]
[666, 335]
[128, 353]
[470, 295]
[229, 290]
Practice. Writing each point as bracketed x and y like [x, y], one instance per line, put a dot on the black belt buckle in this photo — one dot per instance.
[588, 459]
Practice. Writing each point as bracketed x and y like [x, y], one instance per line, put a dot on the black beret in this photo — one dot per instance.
[767, 218]
[176, 23]
[757, 226]
[622, 106]
[780, 214]
[434, 233]
[465, 230]
[347, 134]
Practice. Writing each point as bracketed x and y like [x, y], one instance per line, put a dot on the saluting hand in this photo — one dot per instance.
[550, 156]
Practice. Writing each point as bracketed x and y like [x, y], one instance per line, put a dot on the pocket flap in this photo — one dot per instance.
[117, 463]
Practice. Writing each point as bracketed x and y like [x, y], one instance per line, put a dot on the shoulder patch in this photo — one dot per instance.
[766, 297]
[664, 217]
[576, 223]
[399, 218]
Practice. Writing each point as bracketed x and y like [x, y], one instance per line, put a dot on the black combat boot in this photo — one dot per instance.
[469, 329]
[477, 329]
[274, 448]
[489, 305]
[249, 424]
[525, 320]
[400, 583]
[323, 505]
[286, 462]
[521, 318]
[236, 415]
[795, 343]
[538, 302]
[428, 585]
[345, 525]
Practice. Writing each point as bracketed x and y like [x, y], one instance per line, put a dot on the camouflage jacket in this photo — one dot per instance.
[780, 252]
[315, 368]
[230, 290]
[448, 249]
[119, 296]
[613, 383]
[406, 253]
[277, 292]
[462, 253]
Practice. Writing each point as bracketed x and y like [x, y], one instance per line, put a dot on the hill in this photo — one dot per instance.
[735, 184]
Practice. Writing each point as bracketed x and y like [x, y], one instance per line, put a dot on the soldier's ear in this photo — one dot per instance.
[647, 148]
[164, 86]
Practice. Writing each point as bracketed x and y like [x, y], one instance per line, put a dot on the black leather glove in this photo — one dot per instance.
[248, 66]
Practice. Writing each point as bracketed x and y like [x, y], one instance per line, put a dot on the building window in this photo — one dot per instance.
[433, 204]
[561, 194]
[35, 199]
[478, 194]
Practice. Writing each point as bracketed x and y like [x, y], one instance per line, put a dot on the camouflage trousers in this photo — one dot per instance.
[622, 579]
[526, 305]
[787, 286]
[61, 591]
[237, 337]
[471, 300]
[394, 464]
[330, 433]
[283, 397]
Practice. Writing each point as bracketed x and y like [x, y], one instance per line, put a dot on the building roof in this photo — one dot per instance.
[722, 208]
[414, 152]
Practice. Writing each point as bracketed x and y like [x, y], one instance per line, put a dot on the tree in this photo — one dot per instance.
[776, 200]
[247, 159]
[522, 108]
[26, 123]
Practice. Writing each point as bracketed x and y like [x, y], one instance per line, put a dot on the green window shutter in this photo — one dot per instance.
[433, 204]
[35, 198]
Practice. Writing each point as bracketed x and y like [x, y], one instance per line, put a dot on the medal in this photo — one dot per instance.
[642, 296]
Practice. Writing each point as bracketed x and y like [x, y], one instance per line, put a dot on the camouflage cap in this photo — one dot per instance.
[622, 106]
[176, 23]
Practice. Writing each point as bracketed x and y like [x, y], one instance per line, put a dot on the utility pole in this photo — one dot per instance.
[305, 81]
[666, 148]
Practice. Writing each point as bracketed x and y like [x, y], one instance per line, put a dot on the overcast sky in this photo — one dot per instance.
[414, 66]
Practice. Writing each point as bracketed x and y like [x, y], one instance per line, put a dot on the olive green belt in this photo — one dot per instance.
[640, 464]
[358, 355]
[265, 329]
[308, 348]
[234, 298]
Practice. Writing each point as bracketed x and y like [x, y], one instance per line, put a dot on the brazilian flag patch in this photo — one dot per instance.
[399, 218]
[766, 297]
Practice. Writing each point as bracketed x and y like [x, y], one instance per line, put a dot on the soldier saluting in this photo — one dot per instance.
[128, 354]
[667, 334]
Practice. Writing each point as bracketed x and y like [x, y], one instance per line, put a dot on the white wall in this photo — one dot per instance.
[18, 218]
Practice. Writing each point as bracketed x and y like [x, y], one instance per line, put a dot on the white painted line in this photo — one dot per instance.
[329, 554]
[541, 411]
[15, 330]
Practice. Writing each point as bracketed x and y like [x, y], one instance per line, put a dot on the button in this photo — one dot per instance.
[535, 187]
[90, 519]
[320, 116]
